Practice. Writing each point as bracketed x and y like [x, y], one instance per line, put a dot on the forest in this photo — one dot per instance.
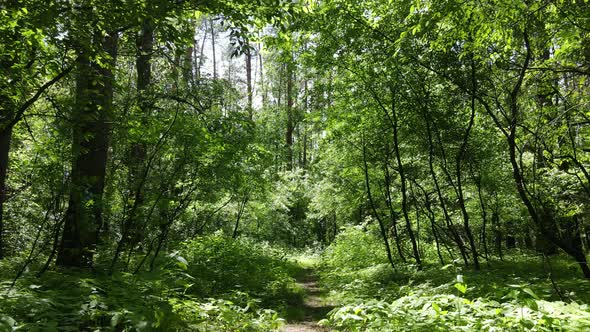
[294, 165]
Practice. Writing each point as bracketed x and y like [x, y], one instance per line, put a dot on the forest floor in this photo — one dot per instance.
[305, 315]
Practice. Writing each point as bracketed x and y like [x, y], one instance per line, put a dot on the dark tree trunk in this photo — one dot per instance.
[131, 233]
[138, 155]
[460, 157]
[545, 222]
[213, 47]
[542, 218]
[510, 239]
[403, 180]
[455, 236]
[434, 231]
[484, 213]
[261, 69]
[431, 217]
[241, 208]
[187, 66]
[321, 230]
[528, 241]
[92, 115]
[305, 130]
[392, 214]
[5, 137]
[497, 232]
[372, 202]
[249, 91]
[334, 227]
[290, 124]
[587, 237]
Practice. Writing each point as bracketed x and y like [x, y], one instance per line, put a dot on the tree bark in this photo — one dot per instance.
[392, 214]
[249, 92]
[372, 202]
[543, 219]
[433, 228]
[5, 137]
[261, 69]
[213, 48]
[290, 127]
[131, 233]
[443, 205]
[241, 208]
[465, 214]
[484, 214]
[93, 108]
[202, 52]
[145, 48]
[497, 232]
[188, 61]
[403, 180]
[305, 129]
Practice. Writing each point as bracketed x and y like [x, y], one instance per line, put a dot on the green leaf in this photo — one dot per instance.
[531, 303]
[461, 287]
[531, 293]
[7, 322]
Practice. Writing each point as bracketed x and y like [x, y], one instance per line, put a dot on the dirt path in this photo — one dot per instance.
[306, 315]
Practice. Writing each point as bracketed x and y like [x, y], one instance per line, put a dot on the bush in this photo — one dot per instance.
[210, 284]
[447, 312]
[354, 249]
[217, 265]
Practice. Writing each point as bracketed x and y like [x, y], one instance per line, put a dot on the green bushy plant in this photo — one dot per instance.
[217, 265]
[213, 283]
[355, 248]
[448, 312]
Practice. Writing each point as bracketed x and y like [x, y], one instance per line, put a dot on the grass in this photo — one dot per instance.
[219, 284]
[213, 283]
[520, 293]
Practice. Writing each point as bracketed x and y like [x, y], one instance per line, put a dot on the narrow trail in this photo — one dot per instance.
[304, 316]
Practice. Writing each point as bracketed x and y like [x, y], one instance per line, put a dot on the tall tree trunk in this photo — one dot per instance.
[131, 232]
[290, 128]
[433, 228]
[431, 217]
[372, 202]
[465, 214]
[187, 66]
[497, 232]
[261, 69]
[305, 129]
[443, 205]
[5, 137]
[249, 91]
[213, 48]
[484, 214]
[543, 219]
[202, 52]
[241, 208]
[403, 180]
[93, 108]
[392, 214]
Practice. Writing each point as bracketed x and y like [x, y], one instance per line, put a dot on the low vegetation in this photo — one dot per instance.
[524, 292]
[258, 165]
[214, 283]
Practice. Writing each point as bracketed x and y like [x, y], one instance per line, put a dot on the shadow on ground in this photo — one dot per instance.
[305, 313]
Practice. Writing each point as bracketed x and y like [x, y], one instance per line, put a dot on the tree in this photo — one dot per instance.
[90, 142]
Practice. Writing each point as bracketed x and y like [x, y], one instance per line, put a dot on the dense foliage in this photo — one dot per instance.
[172, 165]
[514, 295]
[200, 286]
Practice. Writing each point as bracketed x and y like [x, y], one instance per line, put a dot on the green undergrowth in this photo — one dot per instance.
[209, 284]
[511, 295]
